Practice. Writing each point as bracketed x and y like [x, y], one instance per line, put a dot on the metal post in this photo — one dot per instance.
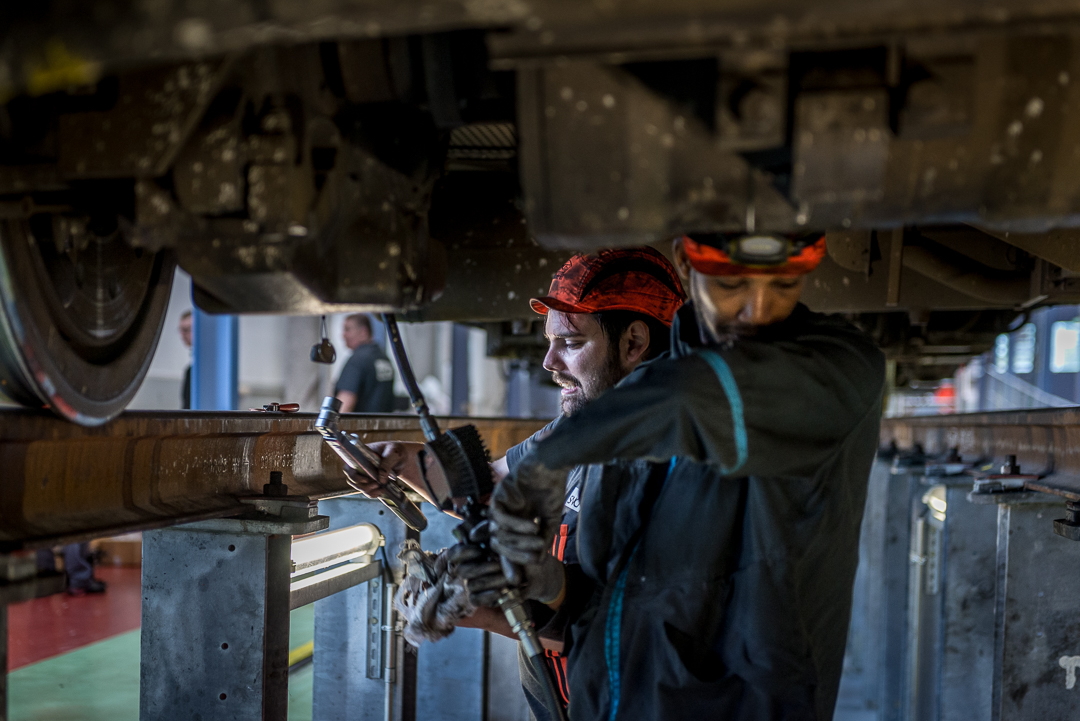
[354, 634]
[215, 625]
[215, 613]
[1038, 644]
[967, 634]
[215, 362]
[896, 578]
[453, 668]
[364, 671]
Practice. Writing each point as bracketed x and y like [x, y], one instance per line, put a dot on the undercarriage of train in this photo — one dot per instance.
[446, 175]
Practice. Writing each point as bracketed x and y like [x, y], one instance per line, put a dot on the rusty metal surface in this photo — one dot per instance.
[154, 113]
[79, 39]
[1045, 442]
[146, 470]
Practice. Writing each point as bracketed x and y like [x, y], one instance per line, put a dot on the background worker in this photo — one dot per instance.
[366, 383]
[606, 313]
[720, 586]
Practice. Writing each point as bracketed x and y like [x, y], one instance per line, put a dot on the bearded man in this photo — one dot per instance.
[605, 314]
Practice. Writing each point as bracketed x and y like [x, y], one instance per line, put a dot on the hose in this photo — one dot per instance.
[427, 423]
[554, 699]
[517, 614]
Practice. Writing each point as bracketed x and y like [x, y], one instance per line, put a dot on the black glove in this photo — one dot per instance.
[526, 510]
[486, 577]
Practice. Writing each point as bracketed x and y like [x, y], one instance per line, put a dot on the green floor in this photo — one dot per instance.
[100, 682]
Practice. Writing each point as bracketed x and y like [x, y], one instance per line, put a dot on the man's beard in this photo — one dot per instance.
[590, 386]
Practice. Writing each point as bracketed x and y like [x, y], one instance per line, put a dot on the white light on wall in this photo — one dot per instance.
[935, 499]
[333, 547]
[1001, 353]
[1064, 346]
[1023, 356]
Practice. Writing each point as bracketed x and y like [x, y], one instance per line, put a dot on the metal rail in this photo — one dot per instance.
[61, 482]
[1046, 442]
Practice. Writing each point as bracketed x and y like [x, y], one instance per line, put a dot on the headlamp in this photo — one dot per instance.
[758, 249]
[757, 253]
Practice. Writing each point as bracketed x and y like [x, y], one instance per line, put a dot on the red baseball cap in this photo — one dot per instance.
[636, 279]
[740, 255]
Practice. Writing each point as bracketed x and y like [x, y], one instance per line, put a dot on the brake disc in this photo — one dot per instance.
[80, 315]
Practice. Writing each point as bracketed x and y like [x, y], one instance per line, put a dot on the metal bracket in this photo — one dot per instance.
[1009, 480]
[376, 621]
[1069, 527]
[319, 585]
[283, 515]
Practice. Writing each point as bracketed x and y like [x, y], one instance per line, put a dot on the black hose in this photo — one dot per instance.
[427, 423]
[554, 698]
[431, 433]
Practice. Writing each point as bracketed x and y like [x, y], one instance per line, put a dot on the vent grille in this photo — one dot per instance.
[483, 141]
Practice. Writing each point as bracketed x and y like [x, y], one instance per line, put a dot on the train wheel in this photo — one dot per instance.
[80, 316]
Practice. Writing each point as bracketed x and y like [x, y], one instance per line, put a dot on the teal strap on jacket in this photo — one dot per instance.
[731, 389]
[613, 623]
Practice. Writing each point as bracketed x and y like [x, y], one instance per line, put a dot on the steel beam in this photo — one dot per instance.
[1045, 442]
[63, 482]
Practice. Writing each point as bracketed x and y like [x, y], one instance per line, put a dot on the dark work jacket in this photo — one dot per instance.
[736, 597]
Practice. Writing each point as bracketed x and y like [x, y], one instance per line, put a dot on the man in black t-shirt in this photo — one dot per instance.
[366, 383]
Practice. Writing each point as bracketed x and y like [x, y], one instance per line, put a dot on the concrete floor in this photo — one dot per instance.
[76, 659]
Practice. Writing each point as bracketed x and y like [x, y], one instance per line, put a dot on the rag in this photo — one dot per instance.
[431, 599]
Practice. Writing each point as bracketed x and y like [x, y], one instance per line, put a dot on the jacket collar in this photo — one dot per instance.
[686, 336]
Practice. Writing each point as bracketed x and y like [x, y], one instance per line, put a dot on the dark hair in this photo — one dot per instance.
[185, 314]
[614, 323]
[361, 320]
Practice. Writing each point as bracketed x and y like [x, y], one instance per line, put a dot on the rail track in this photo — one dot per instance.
[61, 482]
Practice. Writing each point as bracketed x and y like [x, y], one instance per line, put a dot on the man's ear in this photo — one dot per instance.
[634, 345]
[682, 262]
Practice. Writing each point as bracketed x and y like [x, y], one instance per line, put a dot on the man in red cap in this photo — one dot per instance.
[606, 314]
[719, 536]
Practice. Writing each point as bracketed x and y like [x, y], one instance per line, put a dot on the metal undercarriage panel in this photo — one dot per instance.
[443, 159]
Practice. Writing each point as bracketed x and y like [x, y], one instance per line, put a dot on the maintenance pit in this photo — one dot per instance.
[245, 517]
[440, 161]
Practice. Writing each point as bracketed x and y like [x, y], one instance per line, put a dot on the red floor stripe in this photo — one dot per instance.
[47, 627]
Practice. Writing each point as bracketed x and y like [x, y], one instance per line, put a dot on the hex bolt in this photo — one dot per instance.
[1010, 467]
[275, 487]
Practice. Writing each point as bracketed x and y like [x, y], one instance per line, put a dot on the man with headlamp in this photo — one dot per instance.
[717, 582]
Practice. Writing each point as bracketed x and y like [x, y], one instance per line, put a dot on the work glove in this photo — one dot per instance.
[526, 510]
[485, 577]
